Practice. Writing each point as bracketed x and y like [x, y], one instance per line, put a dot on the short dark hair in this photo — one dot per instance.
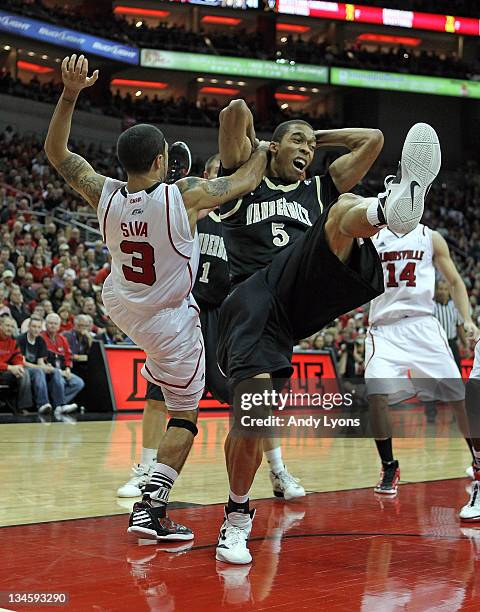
[211, 161]
[284, 127]
[138, 146]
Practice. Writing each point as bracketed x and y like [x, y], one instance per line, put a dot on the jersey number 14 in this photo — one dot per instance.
[407, 275]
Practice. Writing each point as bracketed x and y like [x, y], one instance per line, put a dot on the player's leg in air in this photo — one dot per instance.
[350, 271]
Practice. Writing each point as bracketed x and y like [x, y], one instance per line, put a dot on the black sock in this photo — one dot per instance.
[236, 507]
[470, 446]
[385, 451]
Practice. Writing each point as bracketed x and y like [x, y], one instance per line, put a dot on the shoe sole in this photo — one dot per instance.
[472, 519]
[390, 492]
[151, 534]
[124, 495]
[220, 557]
[420, 163]
[290, 497]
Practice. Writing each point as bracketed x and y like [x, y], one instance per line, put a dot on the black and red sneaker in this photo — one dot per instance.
[179, 162]
[389, 478]
[152, 523]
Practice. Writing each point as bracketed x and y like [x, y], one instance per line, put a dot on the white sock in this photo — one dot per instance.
[149, 455]
[372, 213]
[239, 499]
[160, 484]
[275, 461]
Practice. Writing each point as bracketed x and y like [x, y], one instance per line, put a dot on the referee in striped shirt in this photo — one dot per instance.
[450, 319]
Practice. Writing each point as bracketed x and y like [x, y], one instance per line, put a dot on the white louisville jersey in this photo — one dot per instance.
[154, 256]
[409, 275]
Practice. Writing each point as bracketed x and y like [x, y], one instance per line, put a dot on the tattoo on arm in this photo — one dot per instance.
[80, 175]
[214, 187]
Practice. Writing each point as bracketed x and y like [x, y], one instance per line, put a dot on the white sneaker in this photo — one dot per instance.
[471, 511]
[469, 472]
[139, 478]
[403, 201]
[233, 537]
[285, 485]
[45, 409]
[66, 408]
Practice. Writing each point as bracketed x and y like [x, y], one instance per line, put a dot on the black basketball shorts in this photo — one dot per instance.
[305, 287]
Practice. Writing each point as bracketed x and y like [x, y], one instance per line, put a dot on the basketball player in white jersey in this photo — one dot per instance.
[154, 418]
[150, 230]
[471, 511]
[404, 336]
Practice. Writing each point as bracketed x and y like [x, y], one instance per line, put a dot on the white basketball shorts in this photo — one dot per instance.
[411, 357]
[173, 344]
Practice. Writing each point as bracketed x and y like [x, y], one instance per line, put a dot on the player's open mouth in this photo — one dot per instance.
[300, 164]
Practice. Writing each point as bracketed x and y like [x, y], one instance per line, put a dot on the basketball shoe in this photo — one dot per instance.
[471, 511]
[285, 485]
[234, 534]
[389, 478]
[139, 478]
[470, 472]
[179, 161]
[401, 205]
[152, 523]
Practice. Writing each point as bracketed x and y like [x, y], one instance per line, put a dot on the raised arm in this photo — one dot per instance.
[365, 146]
[201, 193]
[236, 136]
[76, 171]
[444, 264]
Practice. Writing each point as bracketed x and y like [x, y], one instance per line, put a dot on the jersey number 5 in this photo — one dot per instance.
[143, 258]
[407, 275]
[281, 238]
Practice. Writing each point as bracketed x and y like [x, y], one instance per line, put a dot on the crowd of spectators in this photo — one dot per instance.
[152, 109]
[254, 44]
[51, 272]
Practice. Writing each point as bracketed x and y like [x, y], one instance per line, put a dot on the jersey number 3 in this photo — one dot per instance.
[143, 258]
[407, 275]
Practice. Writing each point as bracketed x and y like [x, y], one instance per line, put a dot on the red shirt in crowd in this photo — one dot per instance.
[10, 354]
[67, 326]
[39, 273]
[101, 276]
[58, 349]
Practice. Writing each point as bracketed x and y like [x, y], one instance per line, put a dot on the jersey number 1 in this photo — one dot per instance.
[407, 275]
[143, 258]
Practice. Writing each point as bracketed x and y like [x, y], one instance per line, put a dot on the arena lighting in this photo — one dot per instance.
[291, 97]
[140, 12]
[135, 83]
[406, 41]
[223, 91]
[217, 20]
[21, 65]
[292, 27]
[383, 16]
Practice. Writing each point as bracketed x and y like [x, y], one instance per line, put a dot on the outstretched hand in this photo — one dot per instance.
[75, 73]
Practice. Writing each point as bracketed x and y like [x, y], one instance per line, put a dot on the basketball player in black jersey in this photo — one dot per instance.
[211, 288]
[296, 263]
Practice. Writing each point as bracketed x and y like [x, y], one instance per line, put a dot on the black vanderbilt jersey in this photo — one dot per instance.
[212, 282]
[264, 222]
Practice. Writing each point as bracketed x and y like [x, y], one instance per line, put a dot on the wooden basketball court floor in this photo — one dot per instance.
[339, 548]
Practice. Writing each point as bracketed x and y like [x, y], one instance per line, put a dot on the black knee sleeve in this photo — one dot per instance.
[472, 406]
[184, 423]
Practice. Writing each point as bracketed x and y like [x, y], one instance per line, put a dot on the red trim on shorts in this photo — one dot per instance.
[167, 205]
[162, 382]
[106, 215]
[194, 307]
[372, 355]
